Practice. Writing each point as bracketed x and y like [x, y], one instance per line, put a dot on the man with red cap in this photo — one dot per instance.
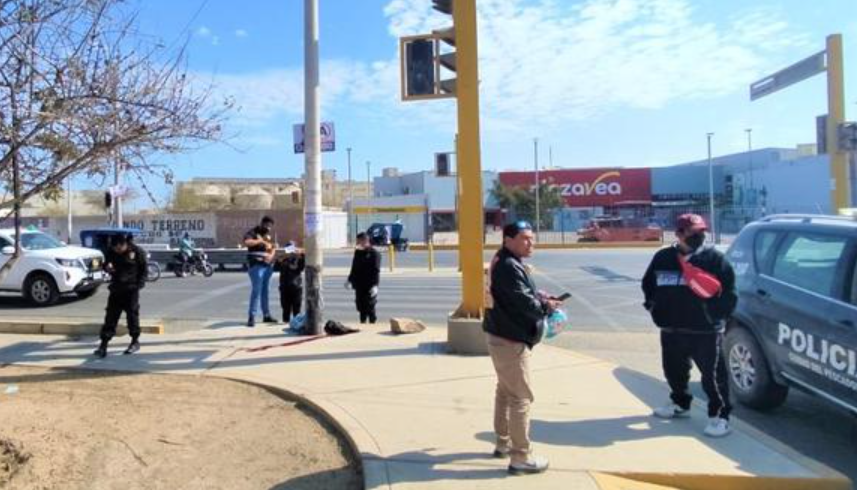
[690, 293]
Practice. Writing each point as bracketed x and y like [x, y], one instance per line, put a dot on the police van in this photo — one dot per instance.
[796, 321]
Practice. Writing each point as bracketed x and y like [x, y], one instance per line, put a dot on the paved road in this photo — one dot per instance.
[608, 321]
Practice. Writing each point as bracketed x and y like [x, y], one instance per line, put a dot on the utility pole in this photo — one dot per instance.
[537, 188]
[351, 226]
[70, 224]
[840, 193]
[369, 189]
[312, 162]
[117, 199]
[752, 185]
[712, 219]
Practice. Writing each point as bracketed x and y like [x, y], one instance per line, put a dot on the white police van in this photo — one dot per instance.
[796, 321]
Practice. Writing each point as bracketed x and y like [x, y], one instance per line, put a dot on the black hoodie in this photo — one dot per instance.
[518, 313]
[671, 302]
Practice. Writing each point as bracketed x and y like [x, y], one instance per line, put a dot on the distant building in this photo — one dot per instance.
[83, 203]
[216, 194]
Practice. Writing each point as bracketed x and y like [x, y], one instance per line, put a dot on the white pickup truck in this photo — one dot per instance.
[48, 268]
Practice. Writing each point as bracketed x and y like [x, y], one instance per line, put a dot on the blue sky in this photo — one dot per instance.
[602, 82]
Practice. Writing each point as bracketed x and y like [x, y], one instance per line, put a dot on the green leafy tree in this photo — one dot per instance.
[521, 201]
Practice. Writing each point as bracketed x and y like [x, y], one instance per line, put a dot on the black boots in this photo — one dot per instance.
[101, 351]
[133, 348]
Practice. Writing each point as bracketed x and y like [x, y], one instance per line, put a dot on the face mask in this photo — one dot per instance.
[693, 242]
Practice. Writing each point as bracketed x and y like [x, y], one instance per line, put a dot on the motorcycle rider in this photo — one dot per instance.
[126, 262]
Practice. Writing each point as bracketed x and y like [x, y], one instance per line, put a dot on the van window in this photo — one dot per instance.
[809, 261]
[762, 249]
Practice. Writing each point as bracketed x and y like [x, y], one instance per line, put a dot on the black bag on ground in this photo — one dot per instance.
[333, 327]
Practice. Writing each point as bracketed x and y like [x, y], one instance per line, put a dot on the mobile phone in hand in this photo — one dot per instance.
[563, 297]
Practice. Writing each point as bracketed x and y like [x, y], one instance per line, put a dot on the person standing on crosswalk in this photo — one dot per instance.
[365, 276]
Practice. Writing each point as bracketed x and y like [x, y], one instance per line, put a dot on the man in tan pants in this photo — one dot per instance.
[515, 324]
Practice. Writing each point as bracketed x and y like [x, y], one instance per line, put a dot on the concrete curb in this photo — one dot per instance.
[71, 327]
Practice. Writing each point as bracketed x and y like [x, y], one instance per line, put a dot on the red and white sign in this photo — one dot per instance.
[590, 187]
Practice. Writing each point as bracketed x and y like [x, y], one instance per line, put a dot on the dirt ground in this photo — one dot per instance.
[98, 430]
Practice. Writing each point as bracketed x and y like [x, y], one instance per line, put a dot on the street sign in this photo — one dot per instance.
[798, 72]
[328, 137]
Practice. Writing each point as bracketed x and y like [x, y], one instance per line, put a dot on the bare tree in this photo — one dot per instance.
[81, 91]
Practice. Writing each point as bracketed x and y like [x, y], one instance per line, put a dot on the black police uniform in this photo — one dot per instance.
[364, 278]
[291, 284]
[129, 277]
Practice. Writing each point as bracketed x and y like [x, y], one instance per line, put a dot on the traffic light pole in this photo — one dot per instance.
[312, 160]
[840, 190]
[471, 221]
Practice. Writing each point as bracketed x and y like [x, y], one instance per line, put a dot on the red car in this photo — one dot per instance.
[618, 229]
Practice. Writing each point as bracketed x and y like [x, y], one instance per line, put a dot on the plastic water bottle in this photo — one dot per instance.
[556, 323]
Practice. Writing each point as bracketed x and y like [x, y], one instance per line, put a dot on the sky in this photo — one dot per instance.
[625, 83]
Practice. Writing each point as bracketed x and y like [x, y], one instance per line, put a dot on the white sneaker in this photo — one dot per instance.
[533, 465]
[717, 427]
[671, 411]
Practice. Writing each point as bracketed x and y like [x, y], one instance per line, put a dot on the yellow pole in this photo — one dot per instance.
[471, 218]
[430, 256]
[392, 250]
[839, 186]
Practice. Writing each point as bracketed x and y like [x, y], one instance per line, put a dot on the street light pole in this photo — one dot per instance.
[69, 224]
[538, 204]
[712, 224]
[350, 201]
[369, 189]
[312, 162]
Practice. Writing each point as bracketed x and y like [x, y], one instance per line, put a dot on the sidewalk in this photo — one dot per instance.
[422, 419]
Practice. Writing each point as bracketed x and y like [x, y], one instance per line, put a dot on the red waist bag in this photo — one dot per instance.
[702, 283]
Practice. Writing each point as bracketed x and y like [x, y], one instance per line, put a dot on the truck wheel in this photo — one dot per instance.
[749, 373]
[41, 290]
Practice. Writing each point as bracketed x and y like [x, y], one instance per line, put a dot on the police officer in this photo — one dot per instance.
[291, 267]
[126, 263]
[364, 277]
[692, 322]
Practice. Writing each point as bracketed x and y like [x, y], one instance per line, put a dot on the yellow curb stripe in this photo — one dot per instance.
[53, 327]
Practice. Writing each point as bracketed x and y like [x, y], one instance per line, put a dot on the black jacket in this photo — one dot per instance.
[518, 313]
[291, 271]
[671, 302]
[128, 270]
[365, 269]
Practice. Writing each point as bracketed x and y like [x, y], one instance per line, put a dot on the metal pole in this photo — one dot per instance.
[840, 195]
[538, 192]
[712, 218]
[69, 224]
[312, 156]
[350, 202]
[750, 163]
[369, 191]
[117, 200]
[472, 221]
[16, 192]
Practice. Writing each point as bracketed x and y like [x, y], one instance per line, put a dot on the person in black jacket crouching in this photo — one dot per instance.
[127, 265]
[515, 324]
[692, 320]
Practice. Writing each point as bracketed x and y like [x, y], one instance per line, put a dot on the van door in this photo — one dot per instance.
[807, 307]
[4, 259]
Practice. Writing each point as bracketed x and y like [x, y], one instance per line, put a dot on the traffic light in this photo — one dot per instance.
[426, 58]
[108, 200]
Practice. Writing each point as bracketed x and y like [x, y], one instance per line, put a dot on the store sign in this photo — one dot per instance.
[590, 187]
[169, 229]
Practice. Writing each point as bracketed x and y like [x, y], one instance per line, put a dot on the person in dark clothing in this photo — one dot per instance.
[692, 323]
[126, 263]
[291, 268]
[515, 323]
[260, 256]
[364, 277]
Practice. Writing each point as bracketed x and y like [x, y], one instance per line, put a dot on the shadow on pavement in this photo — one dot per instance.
[423, 466]
[344, 478]
[608, 274]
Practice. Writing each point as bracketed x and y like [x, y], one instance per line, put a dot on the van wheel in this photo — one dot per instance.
[41, 290]
[749, 373]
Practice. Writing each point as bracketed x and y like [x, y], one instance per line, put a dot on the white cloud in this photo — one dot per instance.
[215, 40]
[545, 62]
[241, 33]
[203, 31]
